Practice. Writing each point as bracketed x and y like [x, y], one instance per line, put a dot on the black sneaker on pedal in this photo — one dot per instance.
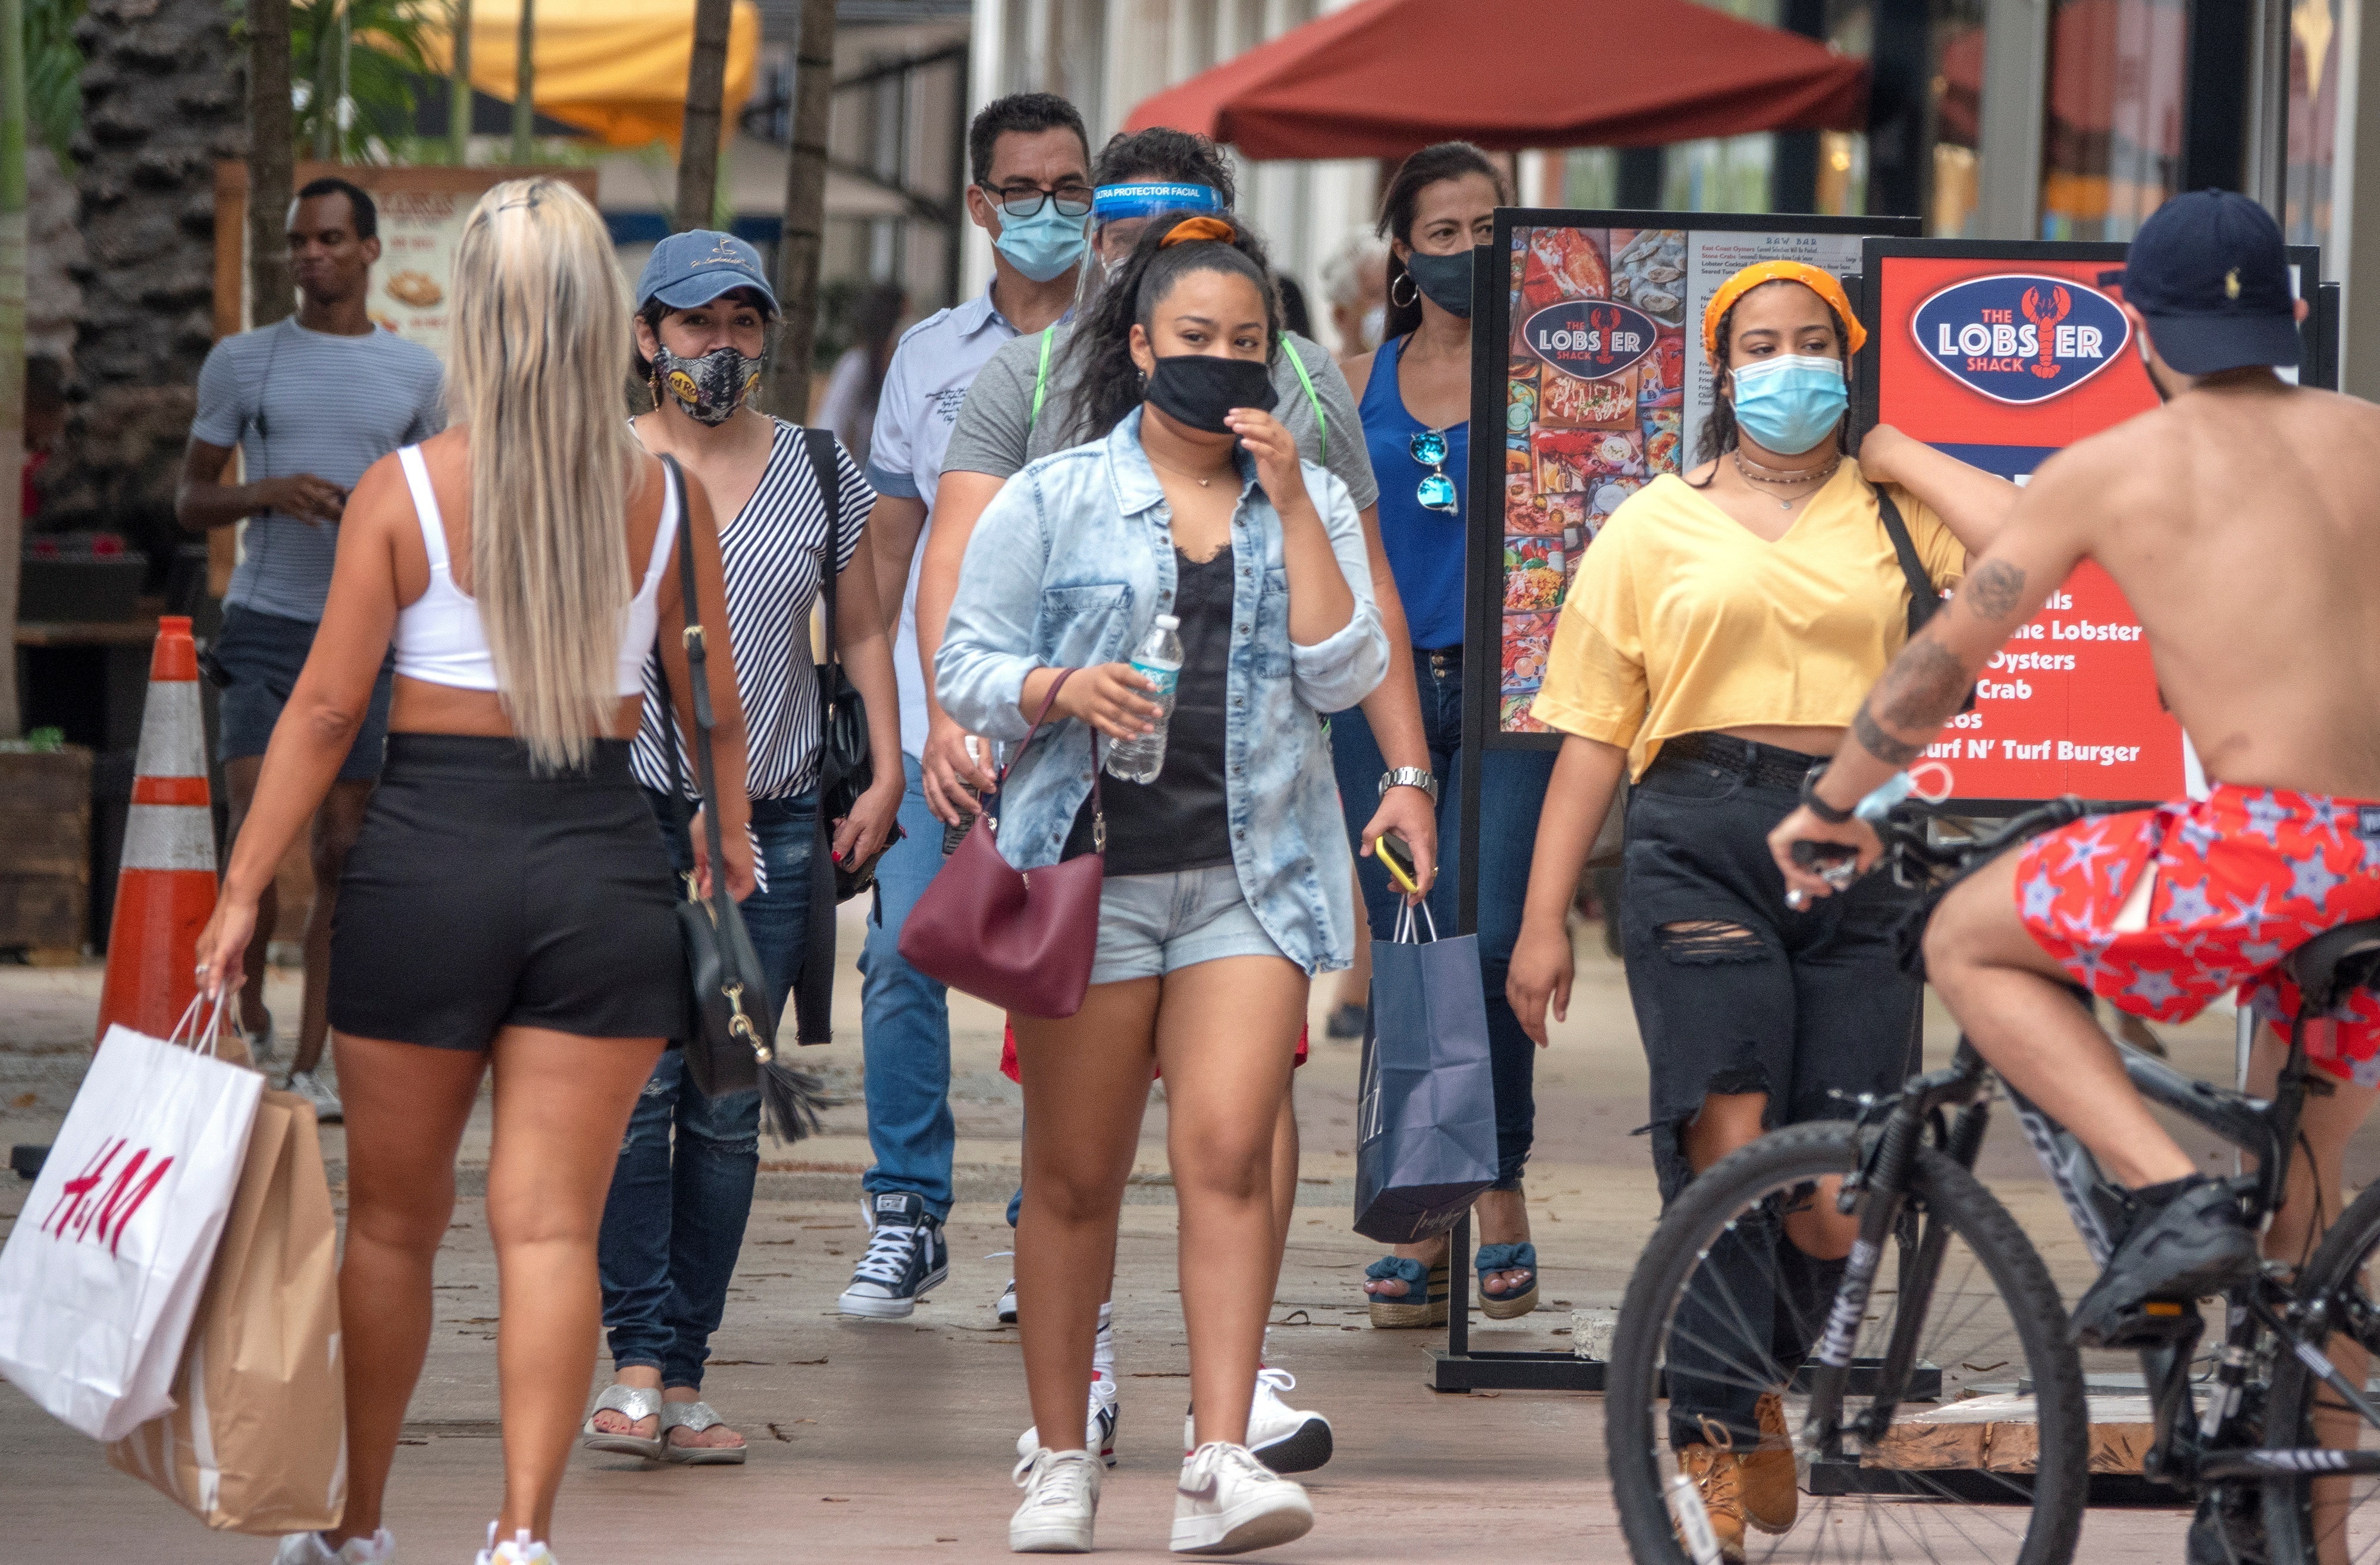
[2189, 1238]
[907, 1257]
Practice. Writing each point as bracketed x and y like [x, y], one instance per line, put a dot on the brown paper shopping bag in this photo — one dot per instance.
[258, 1440]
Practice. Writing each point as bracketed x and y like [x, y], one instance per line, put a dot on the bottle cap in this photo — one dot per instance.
[1167, 622]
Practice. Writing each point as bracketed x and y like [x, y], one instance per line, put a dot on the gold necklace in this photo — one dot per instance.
[1785, 503]
[1184, 473]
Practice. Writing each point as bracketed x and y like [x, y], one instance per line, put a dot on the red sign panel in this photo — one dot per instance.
[2070, 705]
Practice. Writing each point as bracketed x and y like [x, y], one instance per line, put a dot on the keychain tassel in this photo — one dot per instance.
[790, 1099]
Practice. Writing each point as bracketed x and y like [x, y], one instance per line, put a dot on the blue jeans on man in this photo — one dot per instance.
[674, 1223]
[905, 1023]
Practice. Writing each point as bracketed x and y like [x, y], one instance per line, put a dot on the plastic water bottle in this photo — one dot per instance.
[1157, 659]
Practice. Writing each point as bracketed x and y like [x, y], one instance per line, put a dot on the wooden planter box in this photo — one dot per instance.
[46, 851]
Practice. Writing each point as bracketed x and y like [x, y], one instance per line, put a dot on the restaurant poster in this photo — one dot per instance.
[1590, 357]
[2002, 354]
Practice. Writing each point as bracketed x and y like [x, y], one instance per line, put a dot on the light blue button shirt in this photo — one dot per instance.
[1068, 566]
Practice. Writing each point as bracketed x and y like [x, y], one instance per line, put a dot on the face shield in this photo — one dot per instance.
[1121, 214]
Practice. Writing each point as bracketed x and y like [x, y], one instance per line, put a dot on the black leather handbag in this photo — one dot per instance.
[731, 1028]
[846, 765]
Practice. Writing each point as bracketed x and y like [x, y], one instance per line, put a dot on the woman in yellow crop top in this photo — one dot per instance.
[1718, 637]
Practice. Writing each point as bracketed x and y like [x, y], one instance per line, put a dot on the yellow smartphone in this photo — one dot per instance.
[1397, 858]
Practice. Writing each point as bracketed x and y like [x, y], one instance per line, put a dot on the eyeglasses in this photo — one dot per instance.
[1436, 490]
[1026, 200]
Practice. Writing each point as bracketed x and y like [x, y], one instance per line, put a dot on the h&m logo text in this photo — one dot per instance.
[82, 1211]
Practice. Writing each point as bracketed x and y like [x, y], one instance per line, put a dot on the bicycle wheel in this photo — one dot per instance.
[2333, 1519]
[1721, 1309]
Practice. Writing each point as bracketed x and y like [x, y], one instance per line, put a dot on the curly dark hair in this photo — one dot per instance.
[1164, 152]
[1721, 434]
[1443, 160]
[1111, 385]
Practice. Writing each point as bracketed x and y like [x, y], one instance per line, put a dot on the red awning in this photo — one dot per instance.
[1384, 77]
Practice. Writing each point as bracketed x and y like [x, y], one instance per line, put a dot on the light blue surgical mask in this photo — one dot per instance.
[1044, 245]
[1791, 402]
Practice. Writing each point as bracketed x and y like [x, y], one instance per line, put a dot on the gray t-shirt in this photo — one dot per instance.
[297, 401]
[998, 434]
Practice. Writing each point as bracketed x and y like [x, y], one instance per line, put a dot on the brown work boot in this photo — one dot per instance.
[1717, 1478]
[1771, 1499]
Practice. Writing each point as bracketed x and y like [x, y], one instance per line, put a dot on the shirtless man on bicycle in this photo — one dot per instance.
[2243, 520]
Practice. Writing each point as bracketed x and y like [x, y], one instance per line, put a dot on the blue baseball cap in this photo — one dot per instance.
[695, 267]
[2210, 273]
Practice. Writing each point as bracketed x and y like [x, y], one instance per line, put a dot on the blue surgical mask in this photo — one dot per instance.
[1044, 245]
[1791, 402]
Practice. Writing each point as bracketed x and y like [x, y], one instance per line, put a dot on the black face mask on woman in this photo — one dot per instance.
[1446, 279]
[1197, 389]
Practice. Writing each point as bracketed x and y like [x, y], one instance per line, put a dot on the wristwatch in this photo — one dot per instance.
[1819, 806]
[1409, 777]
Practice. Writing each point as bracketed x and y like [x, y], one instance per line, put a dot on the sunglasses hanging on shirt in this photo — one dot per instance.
[1436, 491]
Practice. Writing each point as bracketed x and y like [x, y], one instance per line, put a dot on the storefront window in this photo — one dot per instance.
[2113, 152]
[2314, 122]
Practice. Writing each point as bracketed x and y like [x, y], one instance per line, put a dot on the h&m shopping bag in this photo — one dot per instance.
[104, 1266]
[258, 1440]
[1426, 1137]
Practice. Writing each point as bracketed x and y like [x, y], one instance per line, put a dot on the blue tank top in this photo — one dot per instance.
[1424, 548]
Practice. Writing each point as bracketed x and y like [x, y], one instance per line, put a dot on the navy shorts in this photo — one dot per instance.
[263, 654]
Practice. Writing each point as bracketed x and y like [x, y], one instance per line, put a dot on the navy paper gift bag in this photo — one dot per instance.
[1425, 1138]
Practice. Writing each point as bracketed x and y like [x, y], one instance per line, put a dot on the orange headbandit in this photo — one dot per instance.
[1819, 283]
[1194, 228]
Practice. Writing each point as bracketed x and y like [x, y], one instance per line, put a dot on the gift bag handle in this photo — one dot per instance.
[212, 1045]
[1405, 932]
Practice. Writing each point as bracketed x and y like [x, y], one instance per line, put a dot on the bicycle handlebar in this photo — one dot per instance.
[1906, 844]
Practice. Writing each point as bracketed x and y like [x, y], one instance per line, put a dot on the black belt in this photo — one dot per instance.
[1765, 766]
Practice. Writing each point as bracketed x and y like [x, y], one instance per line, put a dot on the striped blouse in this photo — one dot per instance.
[770, 549]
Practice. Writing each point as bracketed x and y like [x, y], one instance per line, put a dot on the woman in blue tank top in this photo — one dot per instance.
[1416, 398]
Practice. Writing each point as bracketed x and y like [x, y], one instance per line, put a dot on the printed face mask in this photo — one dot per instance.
[1791, 402]
[1197, 390]
[1444, 279]
[1044, 245]
[711, 388]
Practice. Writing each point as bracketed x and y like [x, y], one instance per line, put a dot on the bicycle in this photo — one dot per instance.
[1994, 1462]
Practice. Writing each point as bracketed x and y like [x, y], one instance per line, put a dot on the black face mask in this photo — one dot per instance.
[1445, 278]
[1197, 389]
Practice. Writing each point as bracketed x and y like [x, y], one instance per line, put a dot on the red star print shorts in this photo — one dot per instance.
[2242, 878]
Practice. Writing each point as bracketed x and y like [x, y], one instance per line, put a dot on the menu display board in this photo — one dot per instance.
[2001, 355]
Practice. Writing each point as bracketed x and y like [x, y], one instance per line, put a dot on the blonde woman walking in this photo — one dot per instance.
[507, 906]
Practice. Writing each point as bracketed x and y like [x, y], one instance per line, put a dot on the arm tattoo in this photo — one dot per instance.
[1882, 746]
[1919, 692]
[1995, 590]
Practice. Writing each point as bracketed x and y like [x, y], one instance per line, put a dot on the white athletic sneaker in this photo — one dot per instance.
[308, 1549]
[1062, 1500]
[310, 1086]
[515, 1550]
[1228, 1502]
[1284, 1438]
[1006, 1308]
[1098, 1423]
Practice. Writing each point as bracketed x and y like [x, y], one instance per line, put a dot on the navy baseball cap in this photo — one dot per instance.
[695, 267]
[2209, 272]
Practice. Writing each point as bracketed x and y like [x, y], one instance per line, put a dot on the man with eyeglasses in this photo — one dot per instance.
[1029, 162]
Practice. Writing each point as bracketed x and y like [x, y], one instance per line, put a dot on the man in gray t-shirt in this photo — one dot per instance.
[311, 402]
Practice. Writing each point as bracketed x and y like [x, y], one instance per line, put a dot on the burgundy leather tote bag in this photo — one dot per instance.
[1021, 939]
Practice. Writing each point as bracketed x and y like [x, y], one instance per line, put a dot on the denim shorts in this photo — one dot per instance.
[1152, 925]
[263, 654]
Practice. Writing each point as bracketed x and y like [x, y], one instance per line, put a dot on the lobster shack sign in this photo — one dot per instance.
[2018, 337]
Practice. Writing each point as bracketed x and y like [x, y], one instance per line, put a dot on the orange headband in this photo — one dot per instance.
[1819, 283]
[1192, 228]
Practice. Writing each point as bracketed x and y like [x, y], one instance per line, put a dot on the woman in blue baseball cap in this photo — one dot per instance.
[675, 1219]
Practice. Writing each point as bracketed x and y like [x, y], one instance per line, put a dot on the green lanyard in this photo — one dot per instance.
[1321, 419]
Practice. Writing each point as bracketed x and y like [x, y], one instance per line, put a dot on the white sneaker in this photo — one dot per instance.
[310, 1086]
[1098, 1423]
[1006, 1308]
[308, 1549]
[1284, 1438]
[1062, 1500]
[515, 1550]
[1228, 1502]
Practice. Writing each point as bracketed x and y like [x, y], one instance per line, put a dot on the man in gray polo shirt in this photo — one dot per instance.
[311, 402]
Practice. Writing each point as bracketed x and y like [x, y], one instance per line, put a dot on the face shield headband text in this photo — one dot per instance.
[1113, 203]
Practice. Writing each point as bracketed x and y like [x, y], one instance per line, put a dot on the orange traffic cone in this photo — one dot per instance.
[165, 889]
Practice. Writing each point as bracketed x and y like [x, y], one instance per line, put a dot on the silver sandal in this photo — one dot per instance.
[635, 1403]
[694, 1418]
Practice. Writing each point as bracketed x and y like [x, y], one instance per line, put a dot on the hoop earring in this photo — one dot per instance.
[1413, 287]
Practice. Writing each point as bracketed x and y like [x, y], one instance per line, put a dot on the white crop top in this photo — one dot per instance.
[438, 638]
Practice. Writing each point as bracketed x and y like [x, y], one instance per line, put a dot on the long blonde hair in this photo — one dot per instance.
[540, 350]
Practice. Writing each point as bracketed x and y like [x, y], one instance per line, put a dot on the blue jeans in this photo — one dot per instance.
[905, 1023]
[673, 1222]
[1512, 792]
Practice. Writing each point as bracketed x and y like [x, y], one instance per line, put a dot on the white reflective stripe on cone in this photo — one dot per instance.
[169, 837]
[172, 737]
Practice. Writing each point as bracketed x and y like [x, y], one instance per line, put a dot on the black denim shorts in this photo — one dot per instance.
[1733, 990]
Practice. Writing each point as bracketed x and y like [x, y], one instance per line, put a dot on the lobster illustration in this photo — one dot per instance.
[2061, 302]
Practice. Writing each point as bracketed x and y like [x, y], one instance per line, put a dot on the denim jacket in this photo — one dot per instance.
[1071, 564]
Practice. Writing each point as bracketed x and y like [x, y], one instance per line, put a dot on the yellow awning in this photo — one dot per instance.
[615, 69]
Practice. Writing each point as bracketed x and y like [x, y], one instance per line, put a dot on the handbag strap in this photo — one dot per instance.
[698, 677]
[1099, 805]
[1923, 599]
[821, 445]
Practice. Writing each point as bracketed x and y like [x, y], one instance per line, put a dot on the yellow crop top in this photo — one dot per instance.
[1680, 620]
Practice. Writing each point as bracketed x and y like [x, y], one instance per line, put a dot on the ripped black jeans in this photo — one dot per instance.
[1736, 993]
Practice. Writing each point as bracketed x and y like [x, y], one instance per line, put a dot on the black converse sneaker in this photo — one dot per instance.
[907, 1257]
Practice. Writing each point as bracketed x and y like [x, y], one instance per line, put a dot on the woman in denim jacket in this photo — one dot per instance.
[1227, 884]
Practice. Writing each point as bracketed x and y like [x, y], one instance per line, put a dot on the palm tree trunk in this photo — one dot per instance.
[706, 87]
[458, 86]
[797, 252]
[325, 94]
[525, 84]
[272, 136]
[12, 347]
